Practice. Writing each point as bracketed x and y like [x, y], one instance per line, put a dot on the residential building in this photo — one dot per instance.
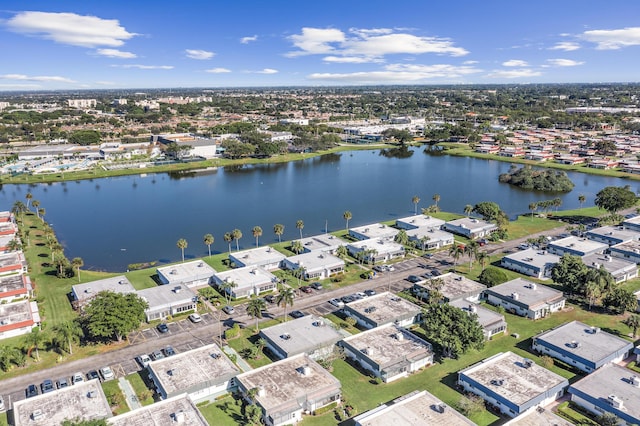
[18, 318]
[246, 281]
[376, 251]
[576, 246]
[582, 346]
[82, 103]
[535, 263]
[612, 235]
[311, 335]
[177, 410]
[12, 263]
[389, 352]
[419, 221]
[492, 322]
[316, 265]
[471, 228]
[83, 293]
[195, 274]
[512, 384]
[288, 388]
[611, 389]
[203, 373]
[383, 308]
[452, 286]
[266, 257]
[628, 251]
[419, 408]
[168, 300]
[83, 401]
[377, 231]
[8, 229]
[327, 243]
[430, 238]
[621, 269]
[632, 223]
[538, 417]
[525, 298]
[14, 287]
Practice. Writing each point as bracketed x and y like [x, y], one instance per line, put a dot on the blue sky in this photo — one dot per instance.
[217, 43]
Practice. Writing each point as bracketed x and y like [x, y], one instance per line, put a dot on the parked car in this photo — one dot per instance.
[144, 360]
[523, 246]
[156, 355]
[168, 351]
[77, 378]
[297, 314]
[270, 298]
[62, 383]
[306, 289]
[415, 279]
[107, 373]
[391, 268]
[195, 317]
[427, 255]
[316, 285]
[93, 374]
[337, 303]
[228, 310]
[163, 327]
[32, 390]
[347, 299]
[361, 295]
[47, 386]
[370, 292]
[380, 268]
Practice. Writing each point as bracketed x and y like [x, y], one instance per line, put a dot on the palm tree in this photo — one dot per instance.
[285, 297]
[237, 234]
[182, 244]
[208, 240]
[18, 209]
[347, 216]
[255, 308]
[227, 287]
[424, 240]
[257, 233]
[415, 200]
[296, 247]
[581, 199]
[29, 197]
[592, 291]
[471, 250]
[482, 257]
[436, 199]
[36, 204]
[14, 245]
[228, 237]
[55, 248]
[556, 202]
[34, 340]
[468, 209]
[77, 263]
[300, 226]
[401, 237]
[342, 252]
[533, 207]
[68, 332]
[41, 213]
[278, 229]
[633, 322]
[456, 251]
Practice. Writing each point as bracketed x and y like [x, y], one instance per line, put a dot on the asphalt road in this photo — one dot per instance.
[184, 335]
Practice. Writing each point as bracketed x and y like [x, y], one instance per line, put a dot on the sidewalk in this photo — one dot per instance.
[241, 362]
[130, 395]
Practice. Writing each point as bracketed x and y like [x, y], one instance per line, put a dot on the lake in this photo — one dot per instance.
[113, 222]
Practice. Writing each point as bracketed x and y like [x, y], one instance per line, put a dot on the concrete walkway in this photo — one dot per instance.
[241, 362]
[129, 393]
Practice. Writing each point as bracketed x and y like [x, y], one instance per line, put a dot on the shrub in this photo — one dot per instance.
[493, 276]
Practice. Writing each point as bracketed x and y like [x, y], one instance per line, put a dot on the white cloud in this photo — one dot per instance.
[267, 71]
[563, 62]
[567, 46]
[115, 53]
[515, 63]
[218, 70]
[400, 43]
[199, 54]
[470, 62]
[514, 73]
[350, 59]
[145, 67]
[70, 28]
[48, 78]
[613, 39]
[364, 33]
[248, 39]
[314, 41]
[399, 73]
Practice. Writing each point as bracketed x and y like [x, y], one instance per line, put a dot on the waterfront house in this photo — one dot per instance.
[247, 281]
[83, 293]
[612, 235]
[419, 221]
[265, 257]
[168, 300]
[316, 265]
[327, 243]
[470, 227]
[195, 274]
[376, 231]
[376, 251]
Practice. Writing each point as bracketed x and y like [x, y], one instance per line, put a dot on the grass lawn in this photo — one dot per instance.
[247, 338]
[3, 419]
[113, 393]
[527, 225]
[142, 385]
[565, 411]
[223, 412]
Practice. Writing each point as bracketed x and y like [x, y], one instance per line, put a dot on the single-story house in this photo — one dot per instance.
[419, 221]
[83, 293]
[576, 246]
[470, 227]
[327, 243]
[492, 322]
[193, 274]
[15, 287]
[452, 286]
[248, 281]
[266, 257]
[377, 231]
[316, 265]
[628, 251]
[376, 251]
[18, 318]
[525, 298]
[621, 269]
[166, 300]
[383, 308]
[535, 263]
[612, 235]
[430, 238]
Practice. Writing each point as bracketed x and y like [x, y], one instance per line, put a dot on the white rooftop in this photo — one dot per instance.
[314, 260]
[617, 232]
[302, 334]
[419, 221]
[433, 234]
[486, 317]
[529, 293]
[384, 307]
[187, 271]
[166, 295]
[581, 245]
[537, 258]
[456, 286]
[118, 284]
[381, 247]
[323, 242]
[177, 410]
[257, 256]
[246, 277]
[375, 230]
[471, 223]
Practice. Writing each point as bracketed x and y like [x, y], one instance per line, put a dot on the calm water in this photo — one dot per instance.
[113, 222]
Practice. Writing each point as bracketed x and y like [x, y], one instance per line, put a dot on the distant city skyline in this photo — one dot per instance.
[71, 45]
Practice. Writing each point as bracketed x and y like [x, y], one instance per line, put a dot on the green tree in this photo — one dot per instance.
[257, 233]
[85, 137]
[67, 334]
[208, 240]
[80, 422]
[608, 419]
[620, 300]
[110, 314]
[436, 200]
[633, 322]
[456, 251]
[569, 272]
[342, 252]
[492, 276]
[489, 210]
[285, 297]
[29, 197]
[182, 244]
[533, 207]
[471, 250]
[300, 226]
[483, 257]
[453, 330]
[34, 341]
[296, 247]
[228, 237]
[36, 204]
[401, 237]
[614, 199]
[227, 287]
[415, 200]
[255, 308]
[468, 209]
[278, 229]
[237, 234]
[347, 216]
[77, 263]
[581, 199]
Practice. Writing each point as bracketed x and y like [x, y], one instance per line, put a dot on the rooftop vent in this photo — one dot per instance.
[171, 372]
[368, 351]
[179, 416]
[398, 336]
[91, 394]
[533, 286]
[473, 308]
[306, 370]
[37, 415]
[200, 265]
[215, 355]
[440, 408]
[261, 391]
[285, 336]
[318, 323]
[177, 289]
[459, 278]
[527, 363]
[173, 272]
[395, 299]
[497, 382]
[595, 330]
[515, 296]
[370, 309]
[121, 282]
[574, 344]
[615, 401]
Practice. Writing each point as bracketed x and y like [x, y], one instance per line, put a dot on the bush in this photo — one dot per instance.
[232, 332]
[322, 410]
[492, 276]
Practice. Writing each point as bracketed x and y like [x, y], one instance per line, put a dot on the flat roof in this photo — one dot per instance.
[506, 375]
[456, 286]
[631, 246]
[375, 230]
[432, 233]
[162, 413]
[188, 271]
[610, 263]
[11, 259]
[183, 371]
[612, 379]
[15, 313]
[617, 232]
[528, 294]
[8, 226]
[247, 276]
[582, 245]
[385, 347]
[13, 283]
[166, 294]
[632, 221]
[537, 258]
[322, 242]
[85, 401]
[420, 221]
[486, 317]
[471, 223]
[419, 408]
[380, 246]
[313, 261]
[302, 334]
[118, 284]
[592, 343]
[538, 417]
[284, 382]
[258, 256]
[383, 307]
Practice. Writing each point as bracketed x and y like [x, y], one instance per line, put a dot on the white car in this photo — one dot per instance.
[195, 317]
[337, 303]
[107, 373]
[144, 360]
[77, 378]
